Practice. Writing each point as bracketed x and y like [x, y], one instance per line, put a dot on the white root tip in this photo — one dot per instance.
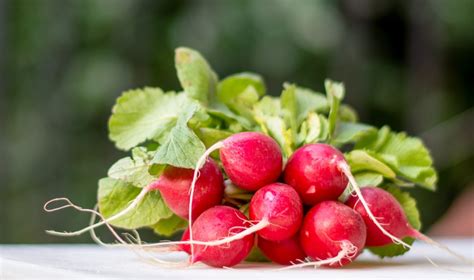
[104, 221]
[427, 240]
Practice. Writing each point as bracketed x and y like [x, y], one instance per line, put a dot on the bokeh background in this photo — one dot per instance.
[409, 64]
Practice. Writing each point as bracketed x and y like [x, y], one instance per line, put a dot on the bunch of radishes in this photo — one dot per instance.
[279, 182]
[294, 216]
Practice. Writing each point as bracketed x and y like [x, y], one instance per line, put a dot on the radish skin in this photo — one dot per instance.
[251, 160]
[175, 183]
[313, 171]
[333, 234]
[284, 252]
[217, 223]
[281, 206]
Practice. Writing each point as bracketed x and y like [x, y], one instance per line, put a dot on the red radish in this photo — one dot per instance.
[280, 206]
[217, 223]
[174, 186]
[251, 160]
[391, 216]
[388, 212]
[284, 252]
[314, 172]
[333, 234]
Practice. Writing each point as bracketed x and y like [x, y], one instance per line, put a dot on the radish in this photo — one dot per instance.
[279, 206]
[390, 214]
[332, 234]
[174, 185]
[217, 223]
[314, 172]
[284, 252]
[251, 160]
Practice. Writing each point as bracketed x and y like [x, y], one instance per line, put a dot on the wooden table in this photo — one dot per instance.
[94, 262]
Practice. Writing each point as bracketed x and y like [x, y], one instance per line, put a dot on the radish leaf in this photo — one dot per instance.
[114, 195]
[144, 114]
[195, 75]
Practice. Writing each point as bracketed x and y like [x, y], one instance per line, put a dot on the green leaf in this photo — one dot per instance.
[115, 195]
[268, 115]
[289, 109]
[182, 148]
[134, 170]
[409, 207]
[210, 136]
[300, 102]
[169, 226]
[374, 140]
[232, 121]
[335, 94]
[347, 132]
[347, 114]
[243, 106]
[233, 86]
[240, 92]
[144, 114]
[407, 156]
[195, 75]
[360, 160]
[308, 101]
[365, 179]
[314, 129]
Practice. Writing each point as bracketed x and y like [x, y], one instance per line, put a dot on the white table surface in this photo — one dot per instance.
[94, 262]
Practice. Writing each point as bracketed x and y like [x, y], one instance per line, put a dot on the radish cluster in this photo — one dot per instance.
[294, 216]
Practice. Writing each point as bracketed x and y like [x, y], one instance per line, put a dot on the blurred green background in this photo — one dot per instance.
[409, 64]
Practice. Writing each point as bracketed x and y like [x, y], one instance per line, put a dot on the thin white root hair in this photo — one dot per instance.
[94, 236]
[125, 211]
[427, 240]
[348, 251]
[132, 242]
[262, 224]
[347, 172]
[200, 163]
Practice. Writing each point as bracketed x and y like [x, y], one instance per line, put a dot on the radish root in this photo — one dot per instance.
[104, 221]
[348, 251]
[420, 236]
[260, 225]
